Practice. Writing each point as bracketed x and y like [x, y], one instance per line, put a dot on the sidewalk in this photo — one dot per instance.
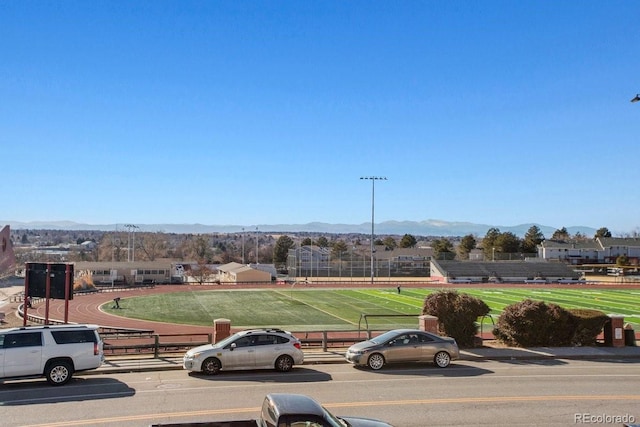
[123, 364]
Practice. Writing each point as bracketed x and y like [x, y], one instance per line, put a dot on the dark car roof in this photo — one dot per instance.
[286, 404]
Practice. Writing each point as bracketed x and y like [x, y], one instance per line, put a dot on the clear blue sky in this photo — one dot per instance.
[243, 112]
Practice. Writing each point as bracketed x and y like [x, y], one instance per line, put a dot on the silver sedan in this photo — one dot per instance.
[404, 346]
[251, 349]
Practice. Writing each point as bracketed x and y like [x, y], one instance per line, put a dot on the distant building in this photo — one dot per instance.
[122, 272]
[168, 271]
[86, 246]
[309, 260]
[234, 272]
[602, 250]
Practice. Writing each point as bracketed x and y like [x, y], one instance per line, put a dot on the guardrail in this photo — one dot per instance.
[333, 338]
[142, 342]
[120, 342]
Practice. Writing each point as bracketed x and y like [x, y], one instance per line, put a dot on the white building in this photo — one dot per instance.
[602, 250]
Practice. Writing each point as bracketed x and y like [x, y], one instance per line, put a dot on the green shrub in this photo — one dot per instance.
[457, 314]
[532, 323]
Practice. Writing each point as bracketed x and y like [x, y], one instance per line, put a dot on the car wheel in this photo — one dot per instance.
[442, 359]
[284, 363]
[211, 366]
[59, 373]
[376, 361]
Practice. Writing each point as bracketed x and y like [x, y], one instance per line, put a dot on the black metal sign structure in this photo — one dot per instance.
[48, 281]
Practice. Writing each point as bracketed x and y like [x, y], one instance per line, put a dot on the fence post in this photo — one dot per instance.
[156, 351]
[324, 340]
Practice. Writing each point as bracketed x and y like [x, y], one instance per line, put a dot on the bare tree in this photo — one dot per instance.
[113, 247]
[152, 245]
[200, 250]
[201, 274]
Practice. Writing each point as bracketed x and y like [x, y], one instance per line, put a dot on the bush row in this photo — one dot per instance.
[526, 323]
[534, 323]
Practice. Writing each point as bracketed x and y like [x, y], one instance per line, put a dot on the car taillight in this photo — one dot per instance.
[297, 345]
[96, 349]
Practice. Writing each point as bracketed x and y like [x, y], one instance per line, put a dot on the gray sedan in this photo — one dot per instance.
[403, 346]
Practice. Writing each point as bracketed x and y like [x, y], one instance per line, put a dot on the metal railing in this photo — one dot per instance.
[120, 342]
[142, 342]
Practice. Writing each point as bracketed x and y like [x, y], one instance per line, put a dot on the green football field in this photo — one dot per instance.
[343, 309]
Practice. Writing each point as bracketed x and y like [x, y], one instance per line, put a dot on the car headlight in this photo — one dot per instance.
[357, 352]
[191, 356]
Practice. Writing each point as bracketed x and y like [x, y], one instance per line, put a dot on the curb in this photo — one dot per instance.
[146, 364]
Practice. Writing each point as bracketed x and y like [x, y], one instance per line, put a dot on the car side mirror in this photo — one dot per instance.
[232, 346]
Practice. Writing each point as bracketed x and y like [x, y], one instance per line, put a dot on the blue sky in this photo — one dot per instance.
[227, 112]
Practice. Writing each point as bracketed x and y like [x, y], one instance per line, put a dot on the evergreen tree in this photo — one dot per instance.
[281, 249]
[339, 247]
[561, 235]
[408, 241]
[488, 242]
[442, 249]
[532, 239]
[467, 243]
[507, 242]
[322, 242]
[390, 243]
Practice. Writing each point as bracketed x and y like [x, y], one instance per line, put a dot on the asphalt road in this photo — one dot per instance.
[487, 393]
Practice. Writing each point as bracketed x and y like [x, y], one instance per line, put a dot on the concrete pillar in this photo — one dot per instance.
[428, 323]
[221, 329]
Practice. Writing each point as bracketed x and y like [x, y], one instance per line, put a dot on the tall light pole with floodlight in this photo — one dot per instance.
[373, 180]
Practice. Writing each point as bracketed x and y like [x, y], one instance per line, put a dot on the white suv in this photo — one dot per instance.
[251, 349]
[55, 351]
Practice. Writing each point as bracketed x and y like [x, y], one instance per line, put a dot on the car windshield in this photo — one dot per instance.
[336, 421]
[384, 337]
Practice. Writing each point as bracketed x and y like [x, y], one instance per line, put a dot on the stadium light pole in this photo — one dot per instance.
[242, 245]
[257, 246]
[373, 180]
[132, 232]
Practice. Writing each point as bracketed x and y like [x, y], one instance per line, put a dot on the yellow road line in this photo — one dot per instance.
[440, 401]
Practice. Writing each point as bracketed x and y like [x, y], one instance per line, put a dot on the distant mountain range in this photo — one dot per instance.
[429, 227]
